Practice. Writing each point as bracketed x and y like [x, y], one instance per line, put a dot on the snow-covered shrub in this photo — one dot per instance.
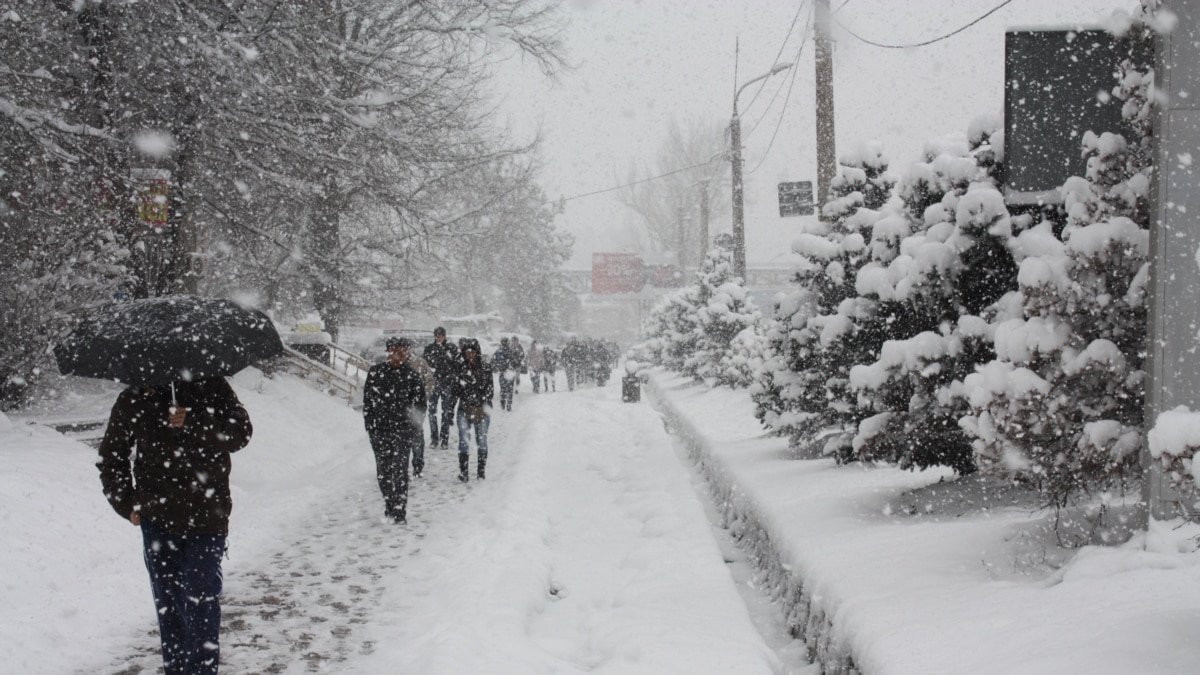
[1061, 406]
[1173, 443]
[792, 393]
[670, 331]
[724, 312]
[708, 331]
[948, 274]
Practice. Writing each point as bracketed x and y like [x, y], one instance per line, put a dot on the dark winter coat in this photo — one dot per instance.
[444, 359]
[473, 387]
[180, 477]
[502, 360]
[393, 398]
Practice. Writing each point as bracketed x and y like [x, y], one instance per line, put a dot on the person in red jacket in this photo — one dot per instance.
[176, 489]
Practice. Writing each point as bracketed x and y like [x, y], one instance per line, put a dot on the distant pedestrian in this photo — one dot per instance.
[518, 364]
[572, 361]
[505, 364]
[444, 358]
[551, 358]
[177, 491]
[537, 365]
[474, 391]
[393, 411]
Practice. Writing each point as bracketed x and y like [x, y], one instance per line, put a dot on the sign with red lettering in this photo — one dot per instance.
[616, 273]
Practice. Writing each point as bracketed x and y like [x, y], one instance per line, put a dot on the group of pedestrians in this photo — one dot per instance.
[182, 434]
[400, 392]
[589, 360]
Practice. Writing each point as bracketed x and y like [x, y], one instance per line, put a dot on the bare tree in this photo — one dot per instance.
[693, 170]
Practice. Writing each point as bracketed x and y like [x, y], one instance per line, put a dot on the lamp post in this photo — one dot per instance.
[735, 140]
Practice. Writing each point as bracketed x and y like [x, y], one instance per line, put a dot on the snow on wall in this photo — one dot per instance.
[807, 619]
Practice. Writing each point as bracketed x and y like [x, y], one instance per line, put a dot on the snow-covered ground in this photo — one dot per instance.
[587, 548]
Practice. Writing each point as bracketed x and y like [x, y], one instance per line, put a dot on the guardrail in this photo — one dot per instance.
[342, 384]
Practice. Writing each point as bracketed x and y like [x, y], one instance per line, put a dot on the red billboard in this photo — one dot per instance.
[616, 273]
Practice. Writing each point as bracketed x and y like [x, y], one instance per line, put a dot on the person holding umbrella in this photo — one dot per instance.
[184, 420]
[177, 491]
[394, 413]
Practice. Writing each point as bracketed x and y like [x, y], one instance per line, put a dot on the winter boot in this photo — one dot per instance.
[482, 465]
[463, 461]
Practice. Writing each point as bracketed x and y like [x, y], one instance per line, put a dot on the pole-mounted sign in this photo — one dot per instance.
[796, 199]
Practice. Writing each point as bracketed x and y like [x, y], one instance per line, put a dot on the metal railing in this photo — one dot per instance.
[338, 380]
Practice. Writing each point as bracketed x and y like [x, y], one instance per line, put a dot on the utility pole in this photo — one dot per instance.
[826, 150]
[703, 220]
[682, 246]
[739, 224]
[735, 163]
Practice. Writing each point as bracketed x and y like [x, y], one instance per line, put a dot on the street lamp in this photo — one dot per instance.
[735, 140]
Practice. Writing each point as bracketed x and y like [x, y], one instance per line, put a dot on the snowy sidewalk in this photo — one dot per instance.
[587, 548]
[886, 578]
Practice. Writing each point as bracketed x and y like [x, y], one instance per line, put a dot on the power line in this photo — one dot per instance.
[795, 66]
[787, 98]
[783, 46]
[927, 42]
[619, 187]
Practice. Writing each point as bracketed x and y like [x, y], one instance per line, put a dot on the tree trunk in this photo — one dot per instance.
[324, 255]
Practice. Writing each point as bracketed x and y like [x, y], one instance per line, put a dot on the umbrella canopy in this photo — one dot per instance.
[161, 340]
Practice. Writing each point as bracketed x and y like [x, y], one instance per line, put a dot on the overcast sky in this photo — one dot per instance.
[641, 64]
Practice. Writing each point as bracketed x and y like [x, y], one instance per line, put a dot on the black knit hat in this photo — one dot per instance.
[394, 342]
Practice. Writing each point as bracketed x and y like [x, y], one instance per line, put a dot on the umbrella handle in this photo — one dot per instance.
[173, 402]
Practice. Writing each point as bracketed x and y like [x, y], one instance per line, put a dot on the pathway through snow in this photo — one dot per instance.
[587, 548]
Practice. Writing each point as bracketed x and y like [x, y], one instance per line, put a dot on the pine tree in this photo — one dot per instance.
[1061, 406]
[724, 312]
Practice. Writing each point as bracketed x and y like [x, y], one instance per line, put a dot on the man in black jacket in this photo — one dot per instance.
[393, 410]
[443, 357]
[177, 491]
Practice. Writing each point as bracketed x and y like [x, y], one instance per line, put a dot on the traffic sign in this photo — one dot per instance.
[796, 199]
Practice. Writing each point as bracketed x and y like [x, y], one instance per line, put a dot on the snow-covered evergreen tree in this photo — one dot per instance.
[724, 312]
[708, 330]
[792, 393]
[670, 331]
[1061, 406]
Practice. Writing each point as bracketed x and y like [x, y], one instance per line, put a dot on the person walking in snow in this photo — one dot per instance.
[176, 489]
[551, 360]
[504, 363]
[444, 358]
[537, 364]
[393, 411]
[572, 361]
[517, 365]
[474, 391]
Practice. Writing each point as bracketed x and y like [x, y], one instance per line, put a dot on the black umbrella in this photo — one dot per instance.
[161, 340]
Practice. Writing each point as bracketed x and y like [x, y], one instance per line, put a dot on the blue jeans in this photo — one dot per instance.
[481, 430]
[185, 576]
[441, 392]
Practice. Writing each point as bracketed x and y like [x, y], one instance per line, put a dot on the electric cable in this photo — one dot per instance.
[631, 184]
[796, 63]
[779, 122]
[927, 42]
[783, 46]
